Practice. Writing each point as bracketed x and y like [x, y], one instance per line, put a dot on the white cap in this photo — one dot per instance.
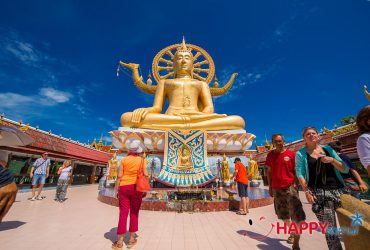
[135, 147]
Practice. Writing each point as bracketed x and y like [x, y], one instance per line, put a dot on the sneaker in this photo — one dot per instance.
[33, 198]
[39, 198]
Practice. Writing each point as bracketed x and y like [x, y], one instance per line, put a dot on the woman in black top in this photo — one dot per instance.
[318, 170]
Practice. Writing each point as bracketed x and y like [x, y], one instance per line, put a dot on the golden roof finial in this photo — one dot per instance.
[267, 144]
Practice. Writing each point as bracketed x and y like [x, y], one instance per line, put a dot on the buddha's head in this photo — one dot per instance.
[183, 61]
[185, 150]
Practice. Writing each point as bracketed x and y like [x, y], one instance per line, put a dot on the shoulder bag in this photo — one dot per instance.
[142, 183]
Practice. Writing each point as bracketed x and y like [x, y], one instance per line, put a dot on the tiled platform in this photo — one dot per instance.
[83, 222]
[258, 197]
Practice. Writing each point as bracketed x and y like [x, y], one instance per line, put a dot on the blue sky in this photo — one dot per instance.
[300, 63]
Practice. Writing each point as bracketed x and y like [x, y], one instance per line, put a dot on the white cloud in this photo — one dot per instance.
[107, 139]
[81, 109]
[108, 122]
[13, 100]
[23, 51]
[80, 93]
[55, 95]
[246, 77]
[46, 97]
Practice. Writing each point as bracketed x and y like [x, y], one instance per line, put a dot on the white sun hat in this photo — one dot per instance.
[135, 147]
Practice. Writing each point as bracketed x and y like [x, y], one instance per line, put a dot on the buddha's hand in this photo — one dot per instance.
[131, 66]
[138, 115]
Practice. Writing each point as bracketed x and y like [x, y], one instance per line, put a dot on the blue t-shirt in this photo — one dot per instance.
[6, 176]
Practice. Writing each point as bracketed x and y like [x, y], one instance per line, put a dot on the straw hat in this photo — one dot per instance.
[135, 147]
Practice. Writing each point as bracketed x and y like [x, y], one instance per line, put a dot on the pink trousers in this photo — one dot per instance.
[129, 201]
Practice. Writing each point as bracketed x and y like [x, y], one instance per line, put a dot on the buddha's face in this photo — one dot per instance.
[183, 62]
[185, 152]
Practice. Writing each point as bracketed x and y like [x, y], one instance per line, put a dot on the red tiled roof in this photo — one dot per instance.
[61, 147]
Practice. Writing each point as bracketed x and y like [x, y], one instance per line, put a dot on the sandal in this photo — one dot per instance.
[241, 213]
[117, 245]
[130, 244]
[290, 239]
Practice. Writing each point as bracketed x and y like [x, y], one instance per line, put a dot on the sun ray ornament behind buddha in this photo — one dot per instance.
[189, 129]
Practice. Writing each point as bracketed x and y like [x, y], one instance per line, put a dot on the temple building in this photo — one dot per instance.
[89, 161]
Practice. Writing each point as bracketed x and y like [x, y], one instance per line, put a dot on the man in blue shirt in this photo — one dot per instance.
[8, 188]
[39, 173]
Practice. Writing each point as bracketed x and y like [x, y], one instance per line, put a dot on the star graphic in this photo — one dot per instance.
[356, 219]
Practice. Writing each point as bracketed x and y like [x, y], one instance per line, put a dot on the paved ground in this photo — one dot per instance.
[82, 222]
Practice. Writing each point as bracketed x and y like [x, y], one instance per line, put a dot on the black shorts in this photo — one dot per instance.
[242, 190]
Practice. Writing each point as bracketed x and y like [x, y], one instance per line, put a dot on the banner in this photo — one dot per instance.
[185, 158]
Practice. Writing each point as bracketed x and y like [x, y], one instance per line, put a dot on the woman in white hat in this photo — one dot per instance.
[129, 198]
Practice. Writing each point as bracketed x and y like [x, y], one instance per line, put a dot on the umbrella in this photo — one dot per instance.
[10, 136]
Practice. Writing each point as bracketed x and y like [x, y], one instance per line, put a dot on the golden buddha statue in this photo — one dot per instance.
[252, 168]
[190, 100]
[112, 168]
[225, 169]
[185, 162]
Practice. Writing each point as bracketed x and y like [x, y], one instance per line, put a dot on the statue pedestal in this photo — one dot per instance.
[254, 183]
[184, 152]
[258, 197]
[222, 141]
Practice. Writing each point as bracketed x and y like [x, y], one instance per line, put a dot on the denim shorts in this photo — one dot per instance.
[242, 190]
[38, 179]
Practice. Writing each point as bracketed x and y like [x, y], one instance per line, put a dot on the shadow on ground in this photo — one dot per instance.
[269, 243]
[7, 225]
[112, 235]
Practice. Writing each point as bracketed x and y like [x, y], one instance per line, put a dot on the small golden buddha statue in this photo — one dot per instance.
[252, 168]
[113, 167]
[190, 101]
[185, 162]
[225, 169]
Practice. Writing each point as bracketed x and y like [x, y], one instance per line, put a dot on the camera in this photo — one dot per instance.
[330, 202]
[317, 207]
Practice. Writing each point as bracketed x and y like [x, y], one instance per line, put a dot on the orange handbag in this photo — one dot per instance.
[142, 183]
